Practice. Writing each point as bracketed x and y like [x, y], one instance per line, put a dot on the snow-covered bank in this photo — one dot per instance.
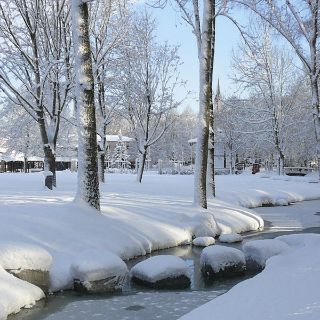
[136, 218]
[15, 293]
[288, 288]
[253, 191]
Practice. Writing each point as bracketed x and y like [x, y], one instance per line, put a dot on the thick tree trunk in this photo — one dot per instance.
[88, 181]
[142, 162]
[205, 100]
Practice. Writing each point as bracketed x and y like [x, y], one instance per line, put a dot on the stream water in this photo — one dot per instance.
[140, 303]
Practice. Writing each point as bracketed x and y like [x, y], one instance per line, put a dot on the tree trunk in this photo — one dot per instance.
[281, 164]
[211, 154]
[142, 162]
[88, 181]
[101, 166]
[205, 101]
[211, 120]
[25, 164]
[231, 163]
[49, 166]
[49, 154]
[102, 157]
[316, 119]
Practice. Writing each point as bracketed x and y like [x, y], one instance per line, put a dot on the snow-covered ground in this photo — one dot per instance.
[288, 288]
[136, 219]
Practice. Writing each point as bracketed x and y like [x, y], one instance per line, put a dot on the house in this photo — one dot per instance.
[15, 161]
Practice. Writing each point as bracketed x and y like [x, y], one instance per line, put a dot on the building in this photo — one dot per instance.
[15, 161]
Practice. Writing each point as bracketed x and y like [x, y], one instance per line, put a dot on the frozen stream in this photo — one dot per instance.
[140, 303]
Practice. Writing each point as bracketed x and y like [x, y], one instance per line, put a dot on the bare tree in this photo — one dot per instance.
[35, 68]
[18, 132]
[109, 20]
[204, 32]
[298, 23]
[88, 181]
[270, 74]
[149, 77]
[228, 129]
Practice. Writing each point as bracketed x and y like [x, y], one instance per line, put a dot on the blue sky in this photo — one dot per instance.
[171, 28]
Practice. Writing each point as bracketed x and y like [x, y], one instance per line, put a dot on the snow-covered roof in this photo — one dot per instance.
[115, 138]
[192, 141]
[13, 155]
[66, 159]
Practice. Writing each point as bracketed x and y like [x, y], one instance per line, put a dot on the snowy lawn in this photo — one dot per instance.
[288, 288]
[136, 219]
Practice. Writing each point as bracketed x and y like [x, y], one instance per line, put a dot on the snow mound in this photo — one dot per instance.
[221, 257]
[205, 225]
[15, 255]
[160, 267]
[93, 265]
[287, 289]
[16, 294]
[301, 240]
[230, 237]
[257, 252]
[203, 241]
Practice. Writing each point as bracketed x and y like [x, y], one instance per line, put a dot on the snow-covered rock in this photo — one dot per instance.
[203, 241]
[17, 255]
[22, 294]
[230, 237]
[163, 271]
[27, 262]
[257, 252]
[222, 261]
[98, 272]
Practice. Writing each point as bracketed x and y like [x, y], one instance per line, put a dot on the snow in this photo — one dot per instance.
[95, 265]
[230, 237]
[288, 288]
[203, 241]
[219, 257]
[159, 268]
[135, 219]
[15, 255]
[252, 191]
[16, 294]
[47, 173]
[259, 251]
